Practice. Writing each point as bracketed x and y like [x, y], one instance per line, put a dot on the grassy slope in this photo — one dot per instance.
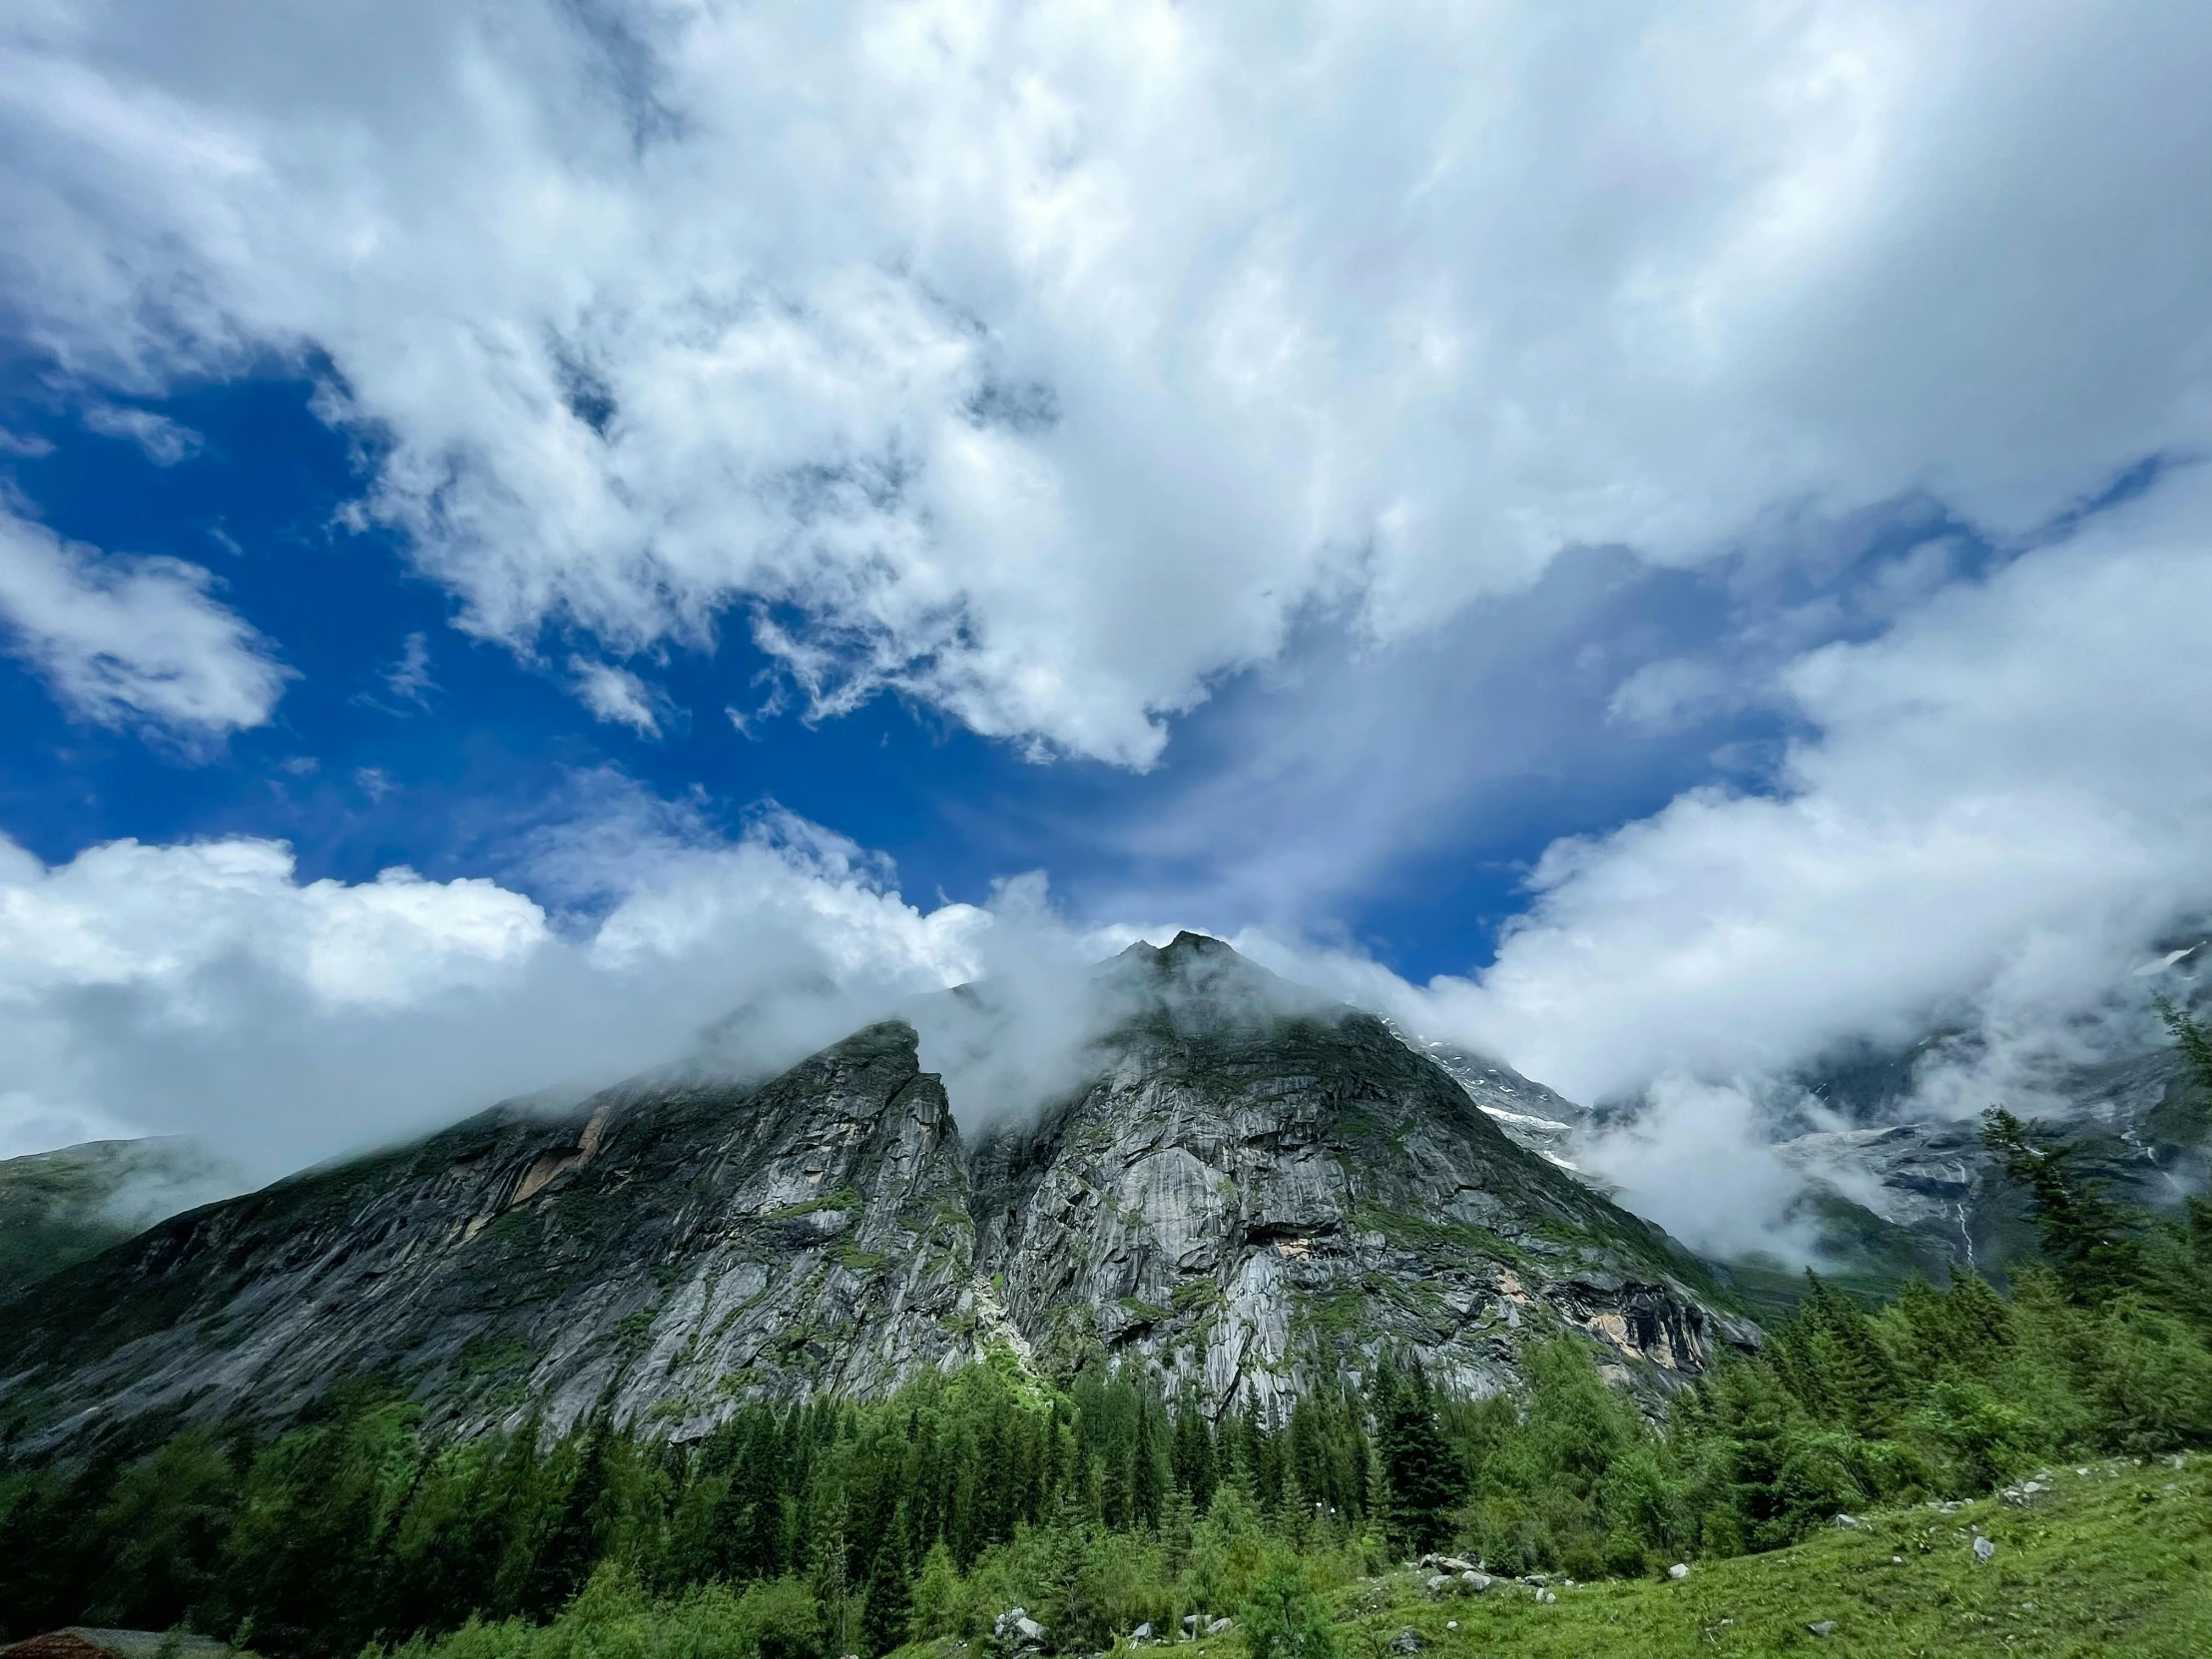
[2118, 1562]
[55, 1209]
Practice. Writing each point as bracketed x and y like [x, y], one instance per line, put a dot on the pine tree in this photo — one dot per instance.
[891, 1600]
[936, 1596]
[1859, 1378]
[2087, 1237]
[1423, 1478]
[577, 1538]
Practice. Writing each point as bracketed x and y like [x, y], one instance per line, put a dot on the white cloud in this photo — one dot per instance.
[410, 676]
[126, 641]
[165, 442]
[1695, 1161]
[617, 697]
[1049, 363]
[1996, 810]
[205, 988]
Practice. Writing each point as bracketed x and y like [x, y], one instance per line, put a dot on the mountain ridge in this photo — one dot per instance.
[1252, 1188]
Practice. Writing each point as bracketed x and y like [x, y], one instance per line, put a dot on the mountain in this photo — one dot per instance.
[58, 1207]
[1248, 1186]
[1543, 1120]
[1894, 1193]
[1899, 1194]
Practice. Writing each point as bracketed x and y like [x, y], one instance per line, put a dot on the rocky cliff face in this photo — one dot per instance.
[1257, 1191]
[1251, 1190]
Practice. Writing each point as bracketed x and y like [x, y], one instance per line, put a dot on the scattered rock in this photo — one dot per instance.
[1983, 1550]
[1547, 1597]
[1825, 1627]
[1679, 1571]
[1217, 1626]
[1453, 1563]
[1476, 1582]
[1406, 1641]
[1142, 1634]
[1451, 1624]
[1016, 1632]
[1438, 1583]
[1851, 1521]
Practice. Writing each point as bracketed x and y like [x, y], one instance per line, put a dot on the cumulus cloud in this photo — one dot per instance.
[205, 988]
[1048, 365]
[133, 642]
[1993, 814]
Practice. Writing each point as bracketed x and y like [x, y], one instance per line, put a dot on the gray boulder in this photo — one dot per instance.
[1016, 1632]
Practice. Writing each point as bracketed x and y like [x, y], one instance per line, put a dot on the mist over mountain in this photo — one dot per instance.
[1235, 1181]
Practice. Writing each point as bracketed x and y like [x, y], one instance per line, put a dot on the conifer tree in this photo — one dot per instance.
[891, 1600]
[2087, 1237]
[1420, 1467]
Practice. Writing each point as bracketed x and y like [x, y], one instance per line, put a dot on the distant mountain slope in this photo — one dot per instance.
[1254, 1189]
[1900, 1195]
[58, 1207]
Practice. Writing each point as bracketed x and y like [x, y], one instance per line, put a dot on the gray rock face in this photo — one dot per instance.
[1922, 1197]
[1255, 1190]
[1543, 1120]
[1261, 1198]
[1895, 1194]
[659, 1240]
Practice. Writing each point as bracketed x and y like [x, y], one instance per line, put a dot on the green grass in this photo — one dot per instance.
[2118, 1562]
[838, 1198]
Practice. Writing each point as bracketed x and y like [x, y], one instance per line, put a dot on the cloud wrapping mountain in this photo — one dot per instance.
[1065, 370]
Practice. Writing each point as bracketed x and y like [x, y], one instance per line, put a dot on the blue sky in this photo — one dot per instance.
[1657, 551]
[367, 763]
